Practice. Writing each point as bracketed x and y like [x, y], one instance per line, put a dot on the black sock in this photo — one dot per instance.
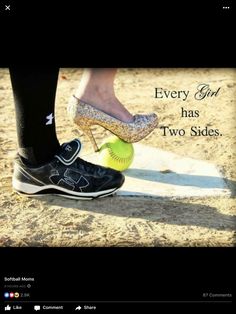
[34, 92]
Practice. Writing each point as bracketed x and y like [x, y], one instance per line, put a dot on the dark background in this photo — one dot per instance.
[123, 274]
[114, 34]
[118, 34]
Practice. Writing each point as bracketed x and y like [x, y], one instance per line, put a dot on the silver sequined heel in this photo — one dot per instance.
[85, 115]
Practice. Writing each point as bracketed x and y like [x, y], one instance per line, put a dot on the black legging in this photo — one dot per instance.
[34, 92]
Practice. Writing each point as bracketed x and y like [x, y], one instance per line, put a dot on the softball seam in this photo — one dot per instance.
[119, 159]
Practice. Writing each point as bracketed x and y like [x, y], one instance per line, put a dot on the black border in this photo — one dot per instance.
[174, 34]
[127, 274]
[167, 34]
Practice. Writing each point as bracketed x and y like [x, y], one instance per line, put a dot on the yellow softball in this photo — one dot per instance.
[115, 153]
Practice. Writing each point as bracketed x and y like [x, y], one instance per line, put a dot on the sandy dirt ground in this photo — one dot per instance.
[129, 221]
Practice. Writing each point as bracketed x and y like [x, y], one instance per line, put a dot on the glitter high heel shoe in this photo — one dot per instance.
[85, 115]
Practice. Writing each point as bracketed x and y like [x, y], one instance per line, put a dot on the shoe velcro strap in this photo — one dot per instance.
[69, 152]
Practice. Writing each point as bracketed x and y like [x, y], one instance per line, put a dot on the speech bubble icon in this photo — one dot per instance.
[37, 307]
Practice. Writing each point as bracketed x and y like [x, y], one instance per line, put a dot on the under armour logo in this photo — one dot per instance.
[68, 148]
[50, 118]
[70, 179]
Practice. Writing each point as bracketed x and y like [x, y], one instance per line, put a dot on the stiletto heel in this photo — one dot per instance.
[85, 115]
[86, 130]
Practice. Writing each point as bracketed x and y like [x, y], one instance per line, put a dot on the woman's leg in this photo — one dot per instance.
[34, 92]
[97, 88]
